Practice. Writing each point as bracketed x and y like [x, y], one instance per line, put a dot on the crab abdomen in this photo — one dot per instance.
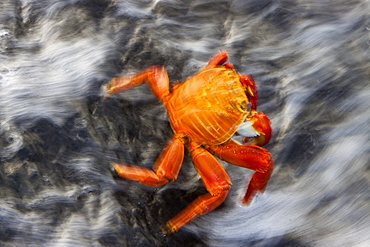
[209, 107]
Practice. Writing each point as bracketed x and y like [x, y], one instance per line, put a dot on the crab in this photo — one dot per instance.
[205, 112]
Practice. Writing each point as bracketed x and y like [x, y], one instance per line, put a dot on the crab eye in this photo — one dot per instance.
[246, 106]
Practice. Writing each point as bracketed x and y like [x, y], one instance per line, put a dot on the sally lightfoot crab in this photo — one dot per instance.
[205, 111]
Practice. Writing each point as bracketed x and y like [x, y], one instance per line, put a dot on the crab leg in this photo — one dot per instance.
[166, 167]
[155, 76]
[248, 156]
[258, 183]
[219, 59]
[216, 181]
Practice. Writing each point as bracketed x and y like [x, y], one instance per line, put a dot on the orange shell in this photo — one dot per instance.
[209, 107]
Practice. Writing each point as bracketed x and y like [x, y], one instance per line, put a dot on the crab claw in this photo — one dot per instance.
[250, 89]
[256, 130]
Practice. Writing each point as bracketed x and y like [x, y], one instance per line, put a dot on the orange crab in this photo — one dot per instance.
[205, 111]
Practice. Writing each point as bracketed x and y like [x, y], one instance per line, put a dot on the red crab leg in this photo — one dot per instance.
[166, 167]
[219, 59]
[216, 181]
[248, 156]
[156, 76]
[258, 183]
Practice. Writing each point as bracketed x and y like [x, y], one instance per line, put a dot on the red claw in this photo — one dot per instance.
[261, 124]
